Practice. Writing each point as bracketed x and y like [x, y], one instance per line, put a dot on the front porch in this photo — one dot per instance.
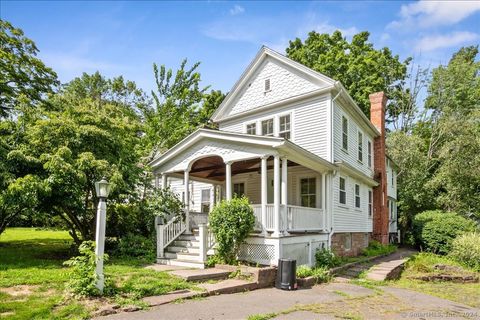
[287, 186]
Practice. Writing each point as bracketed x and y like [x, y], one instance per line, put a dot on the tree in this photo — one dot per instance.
[21, 72]
[86, 133]
[360, 67]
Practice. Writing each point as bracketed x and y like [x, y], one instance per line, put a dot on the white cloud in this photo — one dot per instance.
[426, 13]
[430, 43]
[237, 10]
[313, 23]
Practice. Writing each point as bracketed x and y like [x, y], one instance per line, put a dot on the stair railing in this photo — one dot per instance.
[167, 233]
[207, 241]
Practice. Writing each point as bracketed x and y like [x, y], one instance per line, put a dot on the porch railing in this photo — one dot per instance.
[167, 233]
[206, 242]
[292, 218]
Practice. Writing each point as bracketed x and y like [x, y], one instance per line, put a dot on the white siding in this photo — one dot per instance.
[391, 187]
[308, 124]
[285, 82]
[346, 217]
[350, 156]
[177, 186]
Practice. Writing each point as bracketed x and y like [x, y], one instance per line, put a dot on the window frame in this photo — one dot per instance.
[360, 146]
[254, 124]
[309, 194]
[207, 202]
[357, 196]
[370, 203]
[342, 191]
[285, 131]
[273, 127]
[344, 133]
[369, 155]
[235, 194]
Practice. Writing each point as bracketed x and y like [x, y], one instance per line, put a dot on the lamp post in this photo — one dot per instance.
[102, 188]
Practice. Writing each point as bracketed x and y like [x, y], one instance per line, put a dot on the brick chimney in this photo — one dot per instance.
[378, 102]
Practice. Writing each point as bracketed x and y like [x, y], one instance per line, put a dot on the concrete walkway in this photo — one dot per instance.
[329, 301]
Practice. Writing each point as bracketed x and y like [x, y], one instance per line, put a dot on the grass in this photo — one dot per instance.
[422, 264]
[32, 278]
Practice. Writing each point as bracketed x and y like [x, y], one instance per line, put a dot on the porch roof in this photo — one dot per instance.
[193, 148]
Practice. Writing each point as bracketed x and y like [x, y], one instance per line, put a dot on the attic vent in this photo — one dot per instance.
[267, 85]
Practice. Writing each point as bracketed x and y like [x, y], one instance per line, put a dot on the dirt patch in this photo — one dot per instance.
[21, 290]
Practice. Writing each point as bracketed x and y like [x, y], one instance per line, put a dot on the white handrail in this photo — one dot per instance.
[207, 241]
[167, 233]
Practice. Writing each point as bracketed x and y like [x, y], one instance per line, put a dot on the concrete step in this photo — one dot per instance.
[181, 255]
[202, 275]
[181, 249]
[181, 263]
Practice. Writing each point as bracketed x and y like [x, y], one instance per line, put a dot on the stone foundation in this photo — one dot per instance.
[359, 241]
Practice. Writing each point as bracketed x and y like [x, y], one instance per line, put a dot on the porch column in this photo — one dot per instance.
[156, 181]
[264, 183]
[284, 184]
[228, 180]
[186, 184]
[164, 181]
[276, 194]
[324, 207]
[213, 189]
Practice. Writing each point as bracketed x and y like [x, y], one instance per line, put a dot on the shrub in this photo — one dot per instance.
[231, 223]
[133, 245]
[321, 274]
[326, 258]
[375, 248]
[83, 277]
[434, 231]
[304, 271]
[164, 203]
[466, 250]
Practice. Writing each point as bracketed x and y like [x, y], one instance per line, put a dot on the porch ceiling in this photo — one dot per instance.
[213, 168]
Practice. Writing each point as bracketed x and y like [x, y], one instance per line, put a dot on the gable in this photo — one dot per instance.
[287, 79]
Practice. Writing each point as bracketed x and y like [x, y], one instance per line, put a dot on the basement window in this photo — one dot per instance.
[348, 241]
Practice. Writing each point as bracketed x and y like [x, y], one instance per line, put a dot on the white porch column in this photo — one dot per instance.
[284, 183]
[186, 184]
[213, 189]
[264, 183]
[228, 179]
[164, 180]
[324, 207]
[276, 194]
[156, 181]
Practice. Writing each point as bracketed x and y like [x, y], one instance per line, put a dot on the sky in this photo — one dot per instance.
[126, 38]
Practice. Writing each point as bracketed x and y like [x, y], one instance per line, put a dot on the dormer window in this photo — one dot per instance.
[267, 85]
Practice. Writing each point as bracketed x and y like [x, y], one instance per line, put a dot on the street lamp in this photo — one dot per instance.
[102, 189]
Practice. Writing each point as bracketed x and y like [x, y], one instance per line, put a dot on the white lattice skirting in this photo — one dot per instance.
[260, 253]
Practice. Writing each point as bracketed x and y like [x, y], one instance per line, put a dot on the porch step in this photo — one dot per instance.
[186, 243]
[181, 263]
[189, 237]
[181, 255]
[184, 249]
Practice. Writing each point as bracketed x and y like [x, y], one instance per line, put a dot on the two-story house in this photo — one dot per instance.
[294, 142]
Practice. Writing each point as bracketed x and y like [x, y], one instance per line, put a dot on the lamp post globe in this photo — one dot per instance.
[102, 189]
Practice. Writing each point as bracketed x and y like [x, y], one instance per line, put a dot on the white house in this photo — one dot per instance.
[312, 165]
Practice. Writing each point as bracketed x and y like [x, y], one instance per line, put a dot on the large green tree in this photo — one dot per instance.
[360, 67]
[22, 74]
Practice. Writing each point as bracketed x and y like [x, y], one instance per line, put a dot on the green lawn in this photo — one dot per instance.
[32, 277]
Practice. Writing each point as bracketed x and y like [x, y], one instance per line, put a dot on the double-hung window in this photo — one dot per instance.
[205, 201]
[308, 192]
[344, 133]
[239, 189]
[252, 128]
[370, 203]
[267, 127]
[360, 146]
[284, 129]
[357, 196]
[369, 156]
[342, 197]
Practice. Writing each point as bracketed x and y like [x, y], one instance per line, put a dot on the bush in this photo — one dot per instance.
[133, 245]
[434, 231]
[304, 271]
[466, 250]
[83, 277]
[321, 274]
[326, 258]
[375, 248]
[164, 203]
[231, 223]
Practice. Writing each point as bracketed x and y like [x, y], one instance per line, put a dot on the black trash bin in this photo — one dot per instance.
[286, 274]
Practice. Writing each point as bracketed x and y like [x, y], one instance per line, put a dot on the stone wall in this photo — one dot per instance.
[359, 241]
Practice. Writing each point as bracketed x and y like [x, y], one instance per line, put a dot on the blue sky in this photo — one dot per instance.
[125, 38]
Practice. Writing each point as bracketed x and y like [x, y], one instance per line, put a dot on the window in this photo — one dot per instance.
[267, 85]
[357, 196]
[393, 176]
[205, 201]
[392, 209]
[239, 189]
[284, 131]
[267, 127]
[369, 154]
[360, 146]
[308, 193]
[252, 128]
[343, 193]
[370, 203]
[348, 241]
[344, 133]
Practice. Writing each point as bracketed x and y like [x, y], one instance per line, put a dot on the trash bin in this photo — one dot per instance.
[286, 274]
